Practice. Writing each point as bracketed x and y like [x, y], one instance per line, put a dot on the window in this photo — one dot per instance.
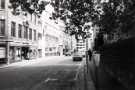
[30, 34]
[31, 17]
[35, 18]
[2, 27]
[34, 34]
[39, 36]
[13, 29]
[2, 4]
[20, 31]
[25, 32]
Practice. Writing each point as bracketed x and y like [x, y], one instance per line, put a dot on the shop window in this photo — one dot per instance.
[40, 52]
[2, 27]
[2, 52]
[30, 34]
[2, 4]
[13, 29]
[20, 31]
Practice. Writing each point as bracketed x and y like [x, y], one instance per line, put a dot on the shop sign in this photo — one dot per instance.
[2, 52]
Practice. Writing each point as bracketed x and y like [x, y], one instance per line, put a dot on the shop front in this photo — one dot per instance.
[32, 53]
[17, 53]
[25, 53]
[2, 54]
[14, 54]
[39, 53]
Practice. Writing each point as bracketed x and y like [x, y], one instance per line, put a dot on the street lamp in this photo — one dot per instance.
[87, 27]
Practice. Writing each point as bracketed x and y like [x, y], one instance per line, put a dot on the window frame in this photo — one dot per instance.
[25, 32]
[13, 29]
[30, 33]
[35, 38]
[20, 28]
[2, 27]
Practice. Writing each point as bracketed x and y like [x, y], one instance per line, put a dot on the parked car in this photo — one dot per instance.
[77, 57]
[68, 54]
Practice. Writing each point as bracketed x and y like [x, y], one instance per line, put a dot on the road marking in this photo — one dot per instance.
[50, 79]
[42, 83]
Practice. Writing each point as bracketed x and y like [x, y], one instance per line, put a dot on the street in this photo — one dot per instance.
[57, 73]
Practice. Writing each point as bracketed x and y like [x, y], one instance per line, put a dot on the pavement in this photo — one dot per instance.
[104, 80]
[117, 63]
[90, 76]
[28, 62]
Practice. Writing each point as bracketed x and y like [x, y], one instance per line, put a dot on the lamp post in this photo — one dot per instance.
[88, 35]
[87, 60]
[87, 27]
[87, 53]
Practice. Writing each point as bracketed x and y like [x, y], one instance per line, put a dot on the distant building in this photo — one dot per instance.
[51, 39]
[66, 43]
[53, 34]
[81, 46]
[73, 43]
[18, 35]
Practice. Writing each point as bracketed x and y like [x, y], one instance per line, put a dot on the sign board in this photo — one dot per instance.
[2, 52]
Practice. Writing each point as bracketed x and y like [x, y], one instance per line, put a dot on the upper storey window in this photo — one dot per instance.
[2, 27]
[2, 4]
[20, 31]
[13, 29]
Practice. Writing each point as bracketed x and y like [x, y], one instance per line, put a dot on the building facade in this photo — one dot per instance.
[19, 35]
[53, 33]
[51, 40]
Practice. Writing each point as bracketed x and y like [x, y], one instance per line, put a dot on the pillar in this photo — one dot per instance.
[7, 53]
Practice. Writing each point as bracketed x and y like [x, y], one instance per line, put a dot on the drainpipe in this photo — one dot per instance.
[7, 32]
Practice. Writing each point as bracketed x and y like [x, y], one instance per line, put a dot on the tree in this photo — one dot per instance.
[75, 14]
[119, 16]
[110, 16]
[30, 6]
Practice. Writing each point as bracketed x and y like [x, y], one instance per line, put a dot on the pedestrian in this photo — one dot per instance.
[90, 54]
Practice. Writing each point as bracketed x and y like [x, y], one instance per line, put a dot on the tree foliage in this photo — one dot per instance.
[30, 6]
[119, 16]
[110, 15]
[75, 13]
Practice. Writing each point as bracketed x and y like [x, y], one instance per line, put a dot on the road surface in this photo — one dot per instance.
[57, 73]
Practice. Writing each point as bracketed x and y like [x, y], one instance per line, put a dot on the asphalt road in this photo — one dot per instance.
[55, 73]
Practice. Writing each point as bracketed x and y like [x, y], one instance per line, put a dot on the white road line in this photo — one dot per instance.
[50, 79]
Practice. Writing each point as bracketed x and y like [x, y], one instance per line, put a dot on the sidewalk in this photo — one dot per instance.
[26, 62]
[90, 76]
[83, 79]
